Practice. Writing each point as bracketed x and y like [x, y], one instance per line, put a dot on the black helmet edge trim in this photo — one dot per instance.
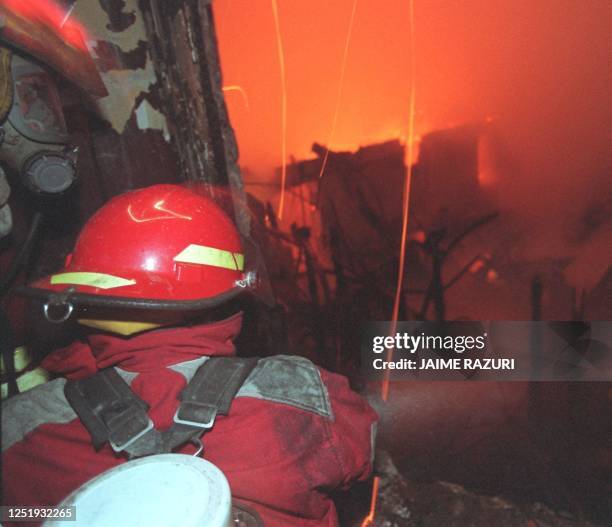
[70, 296]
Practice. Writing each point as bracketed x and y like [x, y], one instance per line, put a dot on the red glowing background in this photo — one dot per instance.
[540, 69]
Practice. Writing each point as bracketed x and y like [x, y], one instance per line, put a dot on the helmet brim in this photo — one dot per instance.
[70, 296]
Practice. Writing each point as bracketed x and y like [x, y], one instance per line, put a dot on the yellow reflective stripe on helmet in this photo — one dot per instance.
[202, 255]
[100, 280]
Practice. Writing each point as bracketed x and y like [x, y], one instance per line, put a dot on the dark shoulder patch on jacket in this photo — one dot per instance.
[25, 412]
[294, 381]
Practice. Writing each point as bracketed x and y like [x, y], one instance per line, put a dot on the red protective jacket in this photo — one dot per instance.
[283, 447]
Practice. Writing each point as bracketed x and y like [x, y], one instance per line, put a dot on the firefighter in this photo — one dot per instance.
[42, 51]
[155, 276]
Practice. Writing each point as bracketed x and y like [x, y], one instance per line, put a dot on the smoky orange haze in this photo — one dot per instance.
[541, 69]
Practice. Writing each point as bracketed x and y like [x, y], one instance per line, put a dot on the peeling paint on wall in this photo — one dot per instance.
[149, 118]
[97, 22]
[124, 85]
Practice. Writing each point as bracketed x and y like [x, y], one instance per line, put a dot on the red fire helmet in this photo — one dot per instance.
[164, 247]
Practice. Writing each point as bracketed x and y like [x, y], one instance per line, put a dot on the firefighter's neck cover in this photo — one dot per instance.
[148, 351]
[293, 429]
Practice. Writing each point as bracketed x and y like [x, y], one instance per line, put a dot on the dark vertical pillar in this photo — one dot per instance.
[186, 59]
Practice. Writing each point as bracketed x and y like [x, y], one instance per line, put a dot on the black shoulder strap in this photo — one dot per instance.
[111, 412]
[108, 409]
[212, 390]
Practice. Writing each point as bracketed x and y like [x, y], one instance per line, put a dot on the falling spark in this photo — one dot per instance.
[406, 197]
[369, 519]
[281, 62]
[242, 92]
[68, 13]
[340, 87]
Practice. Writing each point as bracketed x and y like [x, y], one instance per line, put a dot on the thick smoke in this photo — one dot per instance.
[540, 68]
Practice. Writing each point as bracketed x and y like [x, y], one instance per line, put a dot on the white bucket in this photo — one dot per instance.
[157, 491]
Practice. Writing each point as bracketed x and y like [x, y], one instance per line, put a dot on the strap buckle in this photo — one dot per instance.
[197, 414]
[126, 421]
[130, 440]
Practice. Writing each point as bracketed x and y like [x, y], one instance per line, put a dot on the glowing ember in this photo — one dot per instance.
[419, 236]
[476, 266]
[241, 91]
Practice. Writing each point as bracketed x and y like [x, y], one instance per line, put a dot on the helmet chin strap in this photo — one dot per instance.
[120, 327]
